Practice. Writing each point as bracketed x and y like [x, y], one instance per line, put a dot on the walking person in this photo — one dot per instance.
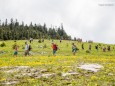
[54, 47]
[96, 47]
[60, 40]
[26, 49]
[108, 48]
[15, 47]
[74, 49]
[82, 46]
[31, 39]
[104, 49]
[90, 47]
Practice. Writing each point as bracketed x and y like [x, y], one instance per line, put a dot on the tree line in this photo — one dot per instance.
[15, 30]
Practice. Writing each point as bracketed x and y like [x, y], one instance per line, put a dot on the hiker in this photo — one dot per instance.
[26, 49]
[96, 47]
[54, 47]
[90, 47]
[60, 40]
[31, 39]
[74, 48]
[104, 49]
[15, 47]
[108, 48]
[29, 49]
[82, 46]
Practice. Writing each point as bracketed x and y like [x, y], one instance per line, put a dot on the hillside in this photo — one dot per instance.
[65, 48]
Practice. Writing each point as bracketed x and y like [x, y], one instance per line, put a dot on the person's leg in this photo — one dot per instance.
[54, 52]
[16, 53]
[26, 53]
[74, 52]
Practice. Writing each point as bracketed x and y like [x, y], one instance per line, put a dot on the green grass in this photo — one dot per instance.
[64, 49]
[63, 62]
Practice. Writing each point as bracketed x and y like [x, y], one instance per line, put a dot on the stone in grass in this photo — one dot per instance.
[110, 74]
[10, 82]
[6, 67]
[45, 75]
[2, 52]
[48, 75]
[70, 73]
[43, 52]
[43, 70]
[91, 67]
[22, 67]
[17, 69]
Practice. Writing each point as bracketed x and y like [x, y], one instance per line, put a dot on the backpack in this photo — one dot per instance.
[29, 47]
[55, 47]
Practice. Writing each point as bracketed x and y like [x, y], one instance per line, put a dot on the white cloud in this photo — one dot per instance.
[81, 18]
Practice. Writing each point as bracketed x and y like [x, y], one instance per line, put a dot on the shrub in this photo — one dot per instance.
[3, 44]
[87, 51]
[99, 44]
[39, 41]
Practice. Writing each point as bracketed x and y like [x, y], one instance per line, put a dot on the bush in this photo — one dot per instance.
[39, 41]
[87, 51]
[3, 45]
[14, 40]
[99, 44]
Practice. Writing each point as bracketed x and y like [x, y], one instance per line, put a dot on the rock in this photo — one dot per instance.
[43, 70]
[40, 46]
[110, 74]
[22, 67]
[66, 74]
[6, 67]
[43, 52]
[48, 75]
[16, 69]
[10, 83]
[91, 67]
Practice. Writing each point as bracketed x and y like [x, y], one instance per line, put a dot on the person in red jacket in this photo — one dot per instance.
[54, 47]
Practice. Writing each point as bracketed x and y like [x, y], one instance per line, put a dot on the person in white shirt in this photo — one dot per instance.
[26, 49]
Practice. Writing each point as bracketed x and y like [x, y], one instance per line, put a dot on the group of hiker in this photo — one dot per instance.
[27, 49]
[103, 48]
[55, 48]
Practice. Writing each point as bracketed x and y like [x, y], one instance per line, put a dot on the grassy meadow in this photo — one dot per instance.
[41, 68]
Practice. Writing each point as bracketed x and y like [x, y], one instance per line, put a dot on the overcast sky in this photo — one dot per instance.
[86, 19]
